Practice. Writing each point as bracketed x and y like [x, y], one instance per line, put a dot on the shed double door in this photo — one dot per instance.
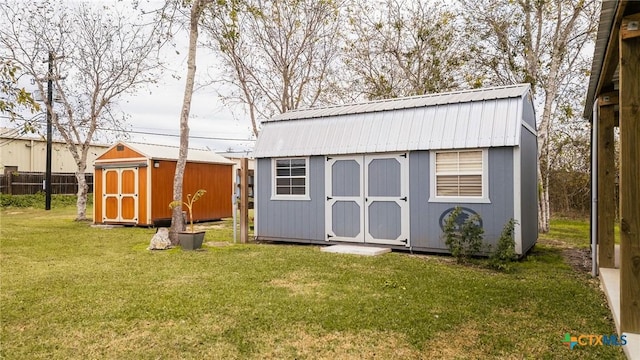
[367, 199]
[120, 195]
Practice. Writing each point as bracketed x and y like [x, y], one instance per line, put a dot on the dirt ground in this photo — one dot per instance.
[579, 259]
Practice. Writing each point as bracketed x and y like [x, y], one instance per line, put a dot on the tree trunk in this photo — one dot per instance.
[543, 143]
[177, 221]
[543, 135]
[83, 190]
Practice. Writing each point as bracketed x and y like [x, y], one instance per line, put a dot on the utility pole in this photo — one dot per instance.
[47, 180]
[50, 114]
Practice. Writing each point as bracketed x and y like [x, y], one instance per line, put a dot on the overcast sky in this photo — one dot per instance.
[156, 108]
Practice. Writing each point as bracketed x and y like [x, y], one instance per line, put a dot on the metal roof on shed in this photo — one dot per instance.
[164, 152]
[465, 119]
[407, 102]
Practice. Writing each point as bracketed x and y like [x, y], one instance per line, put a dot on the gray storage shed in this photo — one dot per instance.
[389, 172]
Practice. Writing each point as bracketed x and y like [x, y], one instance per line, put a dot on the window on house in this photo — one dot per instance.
[291, 177]
[460, 174]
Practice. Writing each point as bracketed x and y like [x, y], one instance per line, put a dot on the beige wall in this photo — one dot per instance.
[30, 155]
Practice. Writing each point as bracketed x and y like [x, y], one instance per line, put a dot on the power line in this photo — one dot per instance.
[176, 135]
[156, 133]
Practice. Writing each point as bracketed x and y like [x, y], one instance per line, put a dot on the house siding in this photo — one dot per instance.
[30, 155]
[299, 220]
[426, 233]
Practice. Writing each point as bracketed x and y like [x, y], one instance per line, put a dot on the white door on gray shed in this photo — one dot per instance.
[367, 199]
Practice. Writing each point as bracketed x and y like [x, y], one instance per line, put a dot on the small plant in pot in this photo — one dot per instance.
[190, 240]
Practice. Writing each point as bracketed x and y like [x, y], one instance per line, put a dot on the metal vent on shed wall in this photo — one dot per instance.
[120, 148]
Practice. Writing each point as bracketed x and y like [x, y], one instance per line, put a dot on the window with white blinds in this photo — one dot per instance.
[290, 178]
[459, 174]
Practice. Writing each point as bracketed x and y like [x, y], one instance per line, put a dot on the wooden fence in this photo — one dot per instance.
[25, 183]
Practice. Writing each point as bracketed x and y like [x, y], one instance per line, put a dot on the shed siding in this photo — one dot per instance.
[300, 220]
[162, 189]
[303, 221]
[142, 196]
[529, 187]
[528, 112]
[97, 196]
[426, 233]
[214, 178]
[125, 153]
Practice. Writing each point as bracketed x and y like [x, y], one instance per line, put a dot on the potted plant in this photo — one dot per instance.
[190, 240]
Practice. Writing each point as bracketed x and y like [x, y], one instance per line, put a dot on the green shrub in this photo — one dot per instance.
[37, 200]
[504, 252]
[463, 240]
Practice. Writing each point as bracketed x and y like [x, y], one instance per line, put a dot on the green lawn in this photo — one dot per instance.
[574, 232]
[72, 291]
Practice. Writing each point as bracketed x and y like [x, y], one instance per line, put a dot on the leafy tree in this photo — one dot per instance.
[100, 54]
[401, 48]
[13, 97]
[542, 42]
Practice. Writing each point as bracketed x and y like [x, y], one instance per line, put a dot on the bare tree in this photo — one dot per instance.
[276, 55]
[177, 221]
[101, 53]
[569, 168]
[539, 42]
[402, 48]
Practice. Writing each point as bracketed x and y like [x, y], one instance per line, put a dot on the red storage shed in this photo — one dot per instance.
[133, 184]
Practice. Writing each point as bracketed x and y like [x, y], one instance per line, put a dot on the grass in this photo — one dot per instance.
[72, 291]
[574, 232]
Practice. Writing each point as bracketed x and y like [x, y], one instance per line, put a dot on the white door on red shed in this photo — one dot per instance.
[120, 195]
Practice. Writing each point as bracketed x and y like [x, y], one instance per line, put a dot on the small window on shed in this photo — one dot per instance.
[459, 175]
[290, 178]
